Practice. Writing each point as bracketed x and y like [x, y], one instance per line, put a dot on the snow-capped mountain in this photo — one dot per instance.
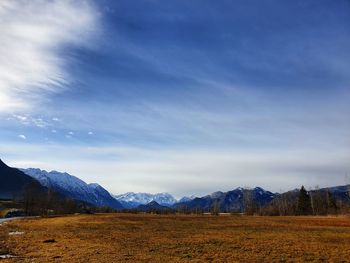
[228, 201]
[132, 200]
[74, 187]
[186, 199]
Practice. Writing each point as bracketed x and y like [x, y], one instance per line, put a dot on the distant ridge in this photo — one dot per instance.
[75, 188]
[231, 201]
[153, 207]
[133, 200]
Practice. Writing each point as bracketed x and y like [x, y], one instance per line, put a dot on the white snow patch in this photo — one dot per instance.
[16, 233]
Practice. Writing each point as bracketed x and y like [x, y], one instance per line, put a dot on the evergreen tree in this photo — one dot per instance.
[304, 202]
[331, 204]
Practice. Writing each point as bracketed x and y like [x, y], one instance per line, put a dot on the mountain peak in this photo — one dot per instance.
[132, 200]
[187, 199]
[3, 164]
[153, 203]
[74, 187]
[216, 194]
[13, 181]
[95, 185]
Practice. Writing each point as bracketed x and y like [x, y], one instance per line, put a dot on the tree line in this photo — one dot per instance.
[303, 202]
[35, 201]
[293, 203]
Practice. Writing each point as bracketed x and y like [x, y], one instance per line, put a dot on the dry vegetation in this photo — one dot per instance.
[169, 238]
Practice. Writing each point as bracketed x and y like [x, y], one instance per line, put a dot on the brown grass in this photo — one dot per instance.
[155, 238]
[3, 239]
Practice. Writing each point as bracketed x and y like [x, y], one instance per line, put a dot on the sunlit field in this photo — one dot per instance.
[177, 238]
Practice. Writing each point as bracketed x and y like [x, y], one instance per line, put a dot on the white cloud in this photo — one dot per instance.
[39, 122]
[20, 118]
[32, 35]
[90, 133]
[31, 121]
[22, 136]
[69, 135]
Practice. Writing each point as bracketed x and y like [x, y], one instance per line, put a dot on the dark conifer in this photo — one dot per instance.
[331, 204]
[304, 202]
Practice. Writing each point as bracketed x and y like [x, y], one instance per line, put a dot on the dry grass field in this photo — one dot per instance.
[169, 238]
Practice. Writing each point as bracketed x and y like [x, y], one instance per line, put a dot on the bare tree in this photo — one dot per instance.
[249, 204]
[215, 207]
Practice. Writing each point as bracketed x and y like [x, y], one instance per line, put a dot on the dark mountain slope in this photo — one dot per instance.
[13, 182]
[153, 207]
[74, 188]
[231, 201]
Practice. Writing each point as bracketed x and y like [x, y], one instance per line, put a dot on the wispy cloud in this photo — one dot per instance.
[31, 121]
[33, 34]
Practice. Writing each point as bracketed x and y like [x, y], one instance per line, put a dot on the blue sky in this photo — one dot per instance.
[187, 97]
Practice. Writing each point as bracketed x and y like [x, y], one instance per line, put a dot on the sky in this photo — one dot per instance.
[186, 97]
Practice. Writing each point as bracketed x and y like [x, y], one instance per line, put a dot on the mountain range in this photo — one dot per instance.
[14, 181]
[73, 187]
[231, 201]
[133, 200]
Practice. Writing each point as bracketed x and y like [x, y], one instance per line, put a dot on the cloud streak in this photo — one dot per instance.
[33, 37]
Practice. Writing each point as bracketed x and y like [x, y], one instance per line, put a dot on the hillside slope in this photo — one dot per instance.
[14, 182]
[73, 187]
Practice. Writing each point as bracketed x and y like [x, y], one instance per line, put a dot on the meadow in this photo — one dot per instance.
[177, 238]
